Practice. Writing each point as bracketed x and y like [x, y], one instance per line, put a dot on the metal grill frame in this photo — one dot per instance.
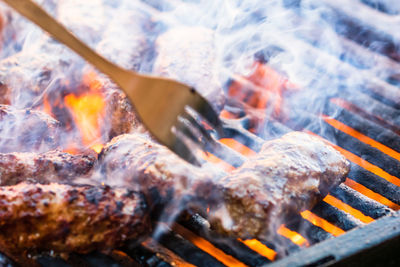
[375, 244]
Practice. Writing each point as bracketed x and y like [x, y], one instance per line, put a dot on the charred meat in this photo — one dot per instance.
[51, 166]
[65, 218]
[152, 169]
[26, 130]
[288, 175]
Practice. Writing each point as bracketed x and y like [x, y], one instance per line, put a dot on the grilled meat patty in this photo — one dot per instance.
[288, 175]
[188, 54]
[66, 218]
[151, 169]
[26, 130]
[51, 166]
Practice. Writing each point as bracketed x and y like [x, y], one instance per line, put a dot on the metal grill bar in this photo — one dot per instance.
[377, 35]
[358, 201]
[384, 233]
[369, 128]
[313, 233]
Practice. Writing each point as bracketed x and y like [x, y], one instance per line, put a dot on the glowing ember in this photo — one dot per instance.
[235, 145]
[365, 164]
[263, 88]
[206, 246]
[331, 200]
[217, 161]
[363, 138]
[293, 236]
[322, 223]
[88, 110]
[260, 248]
[371, 194]
[47, 107]
[227, 115]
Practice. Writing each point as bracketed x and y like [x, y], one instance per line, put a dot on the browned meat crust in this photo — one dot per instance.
[188, 54]
[52, 166]
[288, 175]
[136, 162]
[25, 130]
[65, 218]
[5, 94]
[121, 118]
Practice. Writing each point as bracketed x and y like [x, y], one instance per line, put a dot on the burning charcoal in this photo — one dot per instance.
[52, 166]
[188, 54]
[288, 175]
[25, 130]
[64, 218]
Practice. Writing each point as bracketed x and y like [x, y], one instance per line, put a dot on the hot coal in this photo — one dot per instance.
[66, 218]
[47, 167]
[288, 175]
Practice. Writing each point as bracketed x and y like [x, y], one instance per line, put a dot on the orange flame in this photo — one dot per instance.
[322, 223]
[237, 146]
[260, 248]
[293, 236]
[331, 200]
[227, 115]
[47, 107]
[371, 194]
[206, 246]
[221, 163]
[363, 163]
[363, 138]
[87, 110]
[262, 88]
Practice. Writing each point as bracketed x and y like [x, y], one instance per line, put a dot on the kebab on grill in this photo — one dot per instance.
[46, 167]
[152, 169]
[68, 218]
[288, 175]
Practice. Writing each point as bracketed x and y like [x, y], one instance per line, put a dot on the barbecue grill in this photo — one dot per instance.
[358, 223]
